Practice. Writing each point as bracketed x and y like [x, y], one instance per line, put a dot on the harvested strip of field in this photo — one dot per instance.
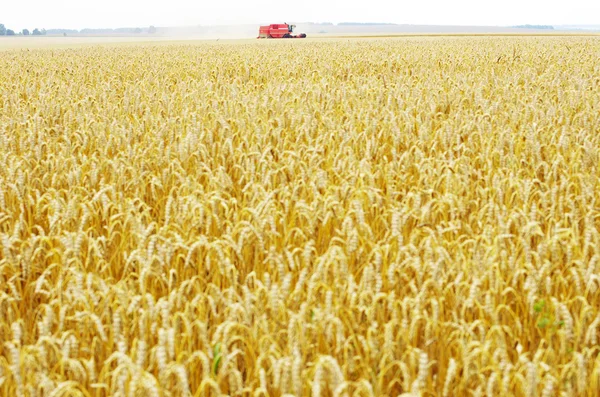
[307, 218]
[449, 35]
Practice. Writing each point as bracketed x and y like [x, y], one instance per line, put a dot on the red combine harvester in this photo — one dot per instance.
[279, 31]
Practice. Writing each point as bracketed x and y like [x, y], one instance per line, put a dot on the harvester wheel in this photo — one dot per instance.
[287, 36]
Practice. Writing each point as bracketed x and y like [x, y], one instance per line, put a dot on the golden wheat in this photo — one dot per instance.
[374, 218]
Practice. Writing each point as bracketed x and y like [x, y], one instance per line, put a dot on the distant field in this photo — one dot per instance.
[412, 216]
[458, 34]
[57, 42]
[15, 43]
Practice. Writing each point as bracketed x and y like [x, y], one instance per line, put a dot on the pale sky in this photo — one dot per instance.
[78, 14]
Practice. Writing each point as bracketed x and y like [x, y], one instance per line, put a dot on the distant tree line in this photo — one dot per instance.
[62, 31]
[109, 31]
[150, 29]
[364, 23]
[25, 32]
[42, 32]
[547, 27]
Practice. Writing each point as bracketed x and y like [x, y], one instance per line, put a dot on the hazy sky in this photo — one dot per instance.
[77, 14]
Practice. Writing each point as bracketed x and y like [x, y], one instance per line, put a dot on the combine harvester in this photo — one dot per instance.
[279, 31]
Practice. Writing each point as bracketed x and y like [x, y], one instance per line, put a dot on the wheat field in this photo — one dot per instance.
[378, 217]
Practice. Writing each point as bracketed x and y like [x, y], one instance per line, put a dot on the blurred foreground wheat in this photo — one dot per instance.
[361, 218]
